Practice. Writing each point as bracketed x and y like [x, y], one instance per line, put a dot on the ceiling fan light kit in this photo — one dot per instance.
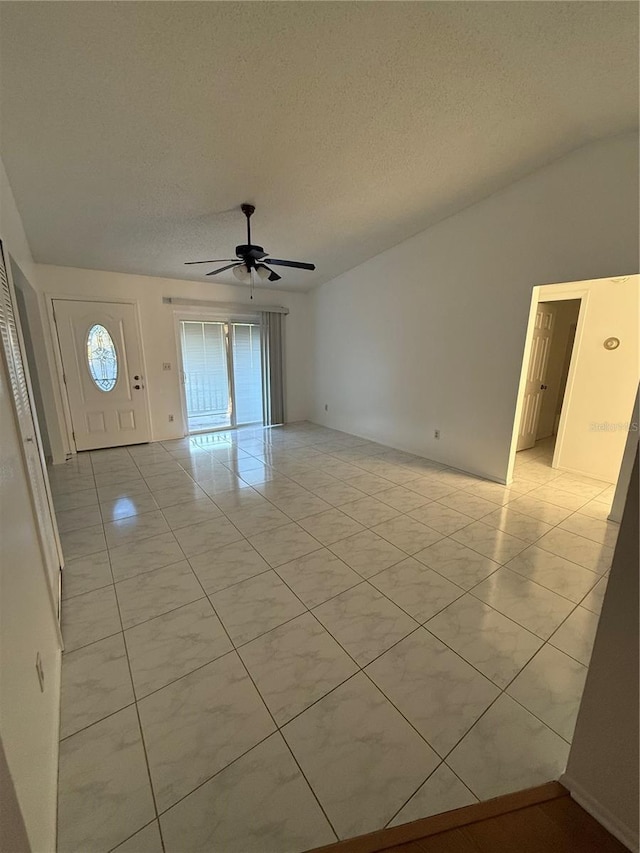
[252, 260]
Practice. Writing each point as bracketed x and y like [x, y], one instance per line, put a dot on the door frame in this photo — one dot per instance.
[50, 298]
[542, 293]
[198, 315]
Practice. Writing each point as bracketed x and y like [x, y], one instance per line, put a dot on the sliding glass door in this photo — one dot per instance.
[222, 374]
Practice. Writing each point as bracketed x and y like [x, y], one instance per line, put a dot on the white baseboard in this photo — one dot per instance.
[625, 834]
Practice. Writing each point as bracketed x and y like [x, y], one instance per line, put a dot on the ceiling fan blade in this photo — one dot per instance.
[256, 254]
[300, 265]
[214, 261]
[273, 276]
[223, 269]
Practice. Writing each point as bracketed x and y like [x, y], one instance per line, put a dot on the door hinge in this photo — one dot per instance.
[64, 377]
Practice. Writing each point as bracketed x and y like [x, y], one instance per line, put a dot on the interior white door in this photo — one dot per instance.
[536, 375]
[102, 361]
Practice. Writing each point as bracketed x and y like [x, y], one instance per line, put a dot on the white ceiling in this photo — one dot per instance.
[131, 132]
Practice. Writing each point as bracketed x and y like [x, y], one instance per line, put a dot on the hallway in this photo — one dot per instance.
[279, 638]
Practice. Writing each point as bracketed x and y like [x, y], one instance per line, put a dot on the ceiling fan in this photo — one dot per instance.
[250, 257]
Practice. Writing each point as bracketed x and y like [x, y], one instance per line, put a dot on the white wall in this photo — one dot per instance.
[28, 718]
[602, 383]
[430, 334]
[158, 332]
[602, 771]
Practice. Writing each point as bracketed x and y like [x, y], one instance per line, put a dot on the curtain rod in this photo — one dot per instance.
[231, 306]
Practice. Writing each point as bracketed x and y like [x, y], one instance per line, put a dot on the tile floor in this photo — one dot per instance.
[280, 638]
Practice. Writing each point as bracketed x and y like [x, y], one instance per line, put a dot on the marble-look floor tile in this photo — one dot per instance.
[76, 519]
[302, 506]
[441, 518]
[95, 683]
[490, 541]
[508, 750]
[442, 792]
[407, 534]
[517, 524]
[418, 590]
[122, 491]
[591, 555]
[73, 483]
[207, 535]
[85, 574]
[550, 686]
[369, 511]
[239, 499]
[75, 500]
[432, 488]
[534, 607]
[255, 606]
[174, 644]
[197, 725]
[175, 480]
[153, 593]
[330, 526]
[179, 495]
[104, 792]
[364, 622]
[537, 508]
[555, 573]
[226, 566]
[434, 688]
[193, 512]
[370, 484]
[593, 601]
[133, 559]
[457, 563]
[134, 528]
[284, 544]
[361, 757]
[89, 617]
[468, 504]
[367, 553]
[254, 520]
[495, 645]
[259, 804]
[402, 499]
[80, 543]
[295, 665]
[146, 840]
[318, 576]
[338, 493]
[597, 509]
[114, 510]
[576, 635]
[604, 532]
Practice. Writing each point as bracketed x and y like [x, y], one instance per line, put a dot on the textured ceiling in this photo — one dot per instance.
[131, 132]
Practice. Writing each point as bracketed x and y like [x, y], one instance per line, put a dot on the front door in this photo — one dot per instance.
[536, 376]
[102, 361]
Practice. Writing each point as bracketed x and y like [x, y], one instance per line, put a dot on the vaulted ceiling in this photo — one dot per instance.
[131, 132]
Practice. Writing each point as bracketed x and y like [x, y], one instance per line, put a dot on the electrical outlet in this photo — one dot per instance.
[166, 365]
[170, 419]
[326, 407]
[436, 433]
[40, 672]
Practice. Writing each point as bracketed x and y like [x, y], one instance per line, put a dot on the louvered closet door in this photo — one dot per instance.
[29, 432]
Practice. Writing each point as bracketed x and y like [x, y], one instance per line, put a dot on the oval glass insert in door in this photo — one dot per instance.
[102, 358]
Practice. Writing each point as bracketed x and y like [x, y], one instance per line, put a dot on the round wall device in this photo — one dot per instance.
[611, 343]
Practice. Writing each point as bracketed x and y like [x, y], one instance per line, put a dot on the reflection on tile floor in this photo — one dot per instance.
[279, 638]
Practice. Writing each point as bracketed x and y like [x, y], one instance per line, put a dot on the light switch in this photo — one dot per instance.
[166, 365]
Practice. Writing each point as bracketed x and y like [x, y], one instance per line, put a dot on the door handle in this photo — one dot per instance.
[543, 387]
[137, 387]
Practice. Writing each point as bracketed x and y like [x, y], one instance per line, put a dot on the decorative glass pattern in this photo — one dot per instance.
[102, 358]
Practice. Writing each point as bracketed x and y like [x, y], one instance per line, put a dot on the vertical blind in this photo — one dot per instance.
[271, 324]
[204, 355]
[247, 372]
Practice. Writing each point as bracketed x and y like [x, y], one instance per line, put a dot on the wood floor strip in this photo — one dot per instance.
[417, 830]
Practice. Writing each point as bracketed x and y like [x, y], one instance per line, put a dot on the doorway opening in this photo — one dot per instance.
[222, 374]
[550, 354]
